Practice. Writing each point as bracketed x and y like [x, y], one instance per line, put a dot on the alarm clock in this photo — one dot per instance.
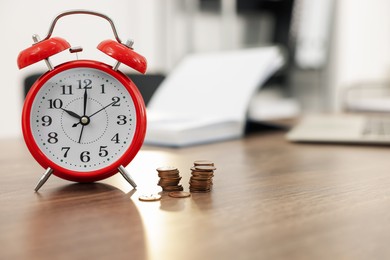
[83, 120]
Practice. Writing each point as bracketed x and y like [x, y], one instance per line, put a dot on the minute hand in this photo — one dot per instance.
[112, 103]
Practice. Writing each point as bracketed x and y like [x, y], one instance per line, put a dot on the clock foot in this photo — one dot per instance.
[44, 178]
[127, 176]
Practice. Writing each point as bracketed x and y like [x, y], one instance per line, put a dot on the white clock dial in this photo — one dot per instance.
[83, 140]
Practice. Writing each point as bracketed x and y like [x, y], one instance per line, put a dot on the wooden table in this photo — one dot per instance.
[271, 200]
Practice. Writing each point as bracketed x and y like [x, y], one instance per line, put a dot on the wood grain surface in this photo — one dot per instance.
[271, 200]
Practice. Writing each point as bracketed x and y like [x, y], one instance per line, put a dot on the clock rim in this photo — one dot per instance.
[94, 175]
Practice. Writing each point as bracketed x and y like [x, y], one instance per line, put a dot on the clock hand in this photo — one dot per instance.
[85, 101]
[112, 103]
[81, 133]
[85, 110]
[71, 113]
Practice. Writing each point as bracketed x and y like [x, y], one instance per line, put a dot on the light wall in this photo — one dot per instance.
[361, 45]
[164, 31]
[134, 19]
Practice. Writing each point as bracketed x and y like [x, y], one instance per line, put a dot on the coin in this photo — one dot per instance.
[167, 182]
[179, 194]
[173, 171]
[203, 174]
[205, 168]
[176, 178]
[197, 181]
[200, 191]
[168, 175]
[173, 188]
[150, 197]
[203, 162]
[166, 168]
[164, 184]
[201, 178]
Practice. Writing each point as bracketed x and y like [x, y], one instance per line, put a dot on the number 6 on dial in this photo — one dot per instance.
[83, 120]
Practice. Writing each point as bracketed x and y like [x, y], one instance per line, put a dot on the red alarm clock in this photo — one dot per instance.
[83, 120]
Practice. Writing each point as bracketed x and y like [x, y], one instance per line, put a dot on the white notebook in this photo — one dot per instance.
[205, 98]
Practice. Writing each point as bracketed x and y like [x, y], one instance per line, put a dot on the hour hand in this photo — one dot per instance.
[71, 113]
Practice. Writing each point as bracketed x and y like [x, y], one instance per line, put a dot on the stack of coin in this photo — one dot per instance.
[202, 176]
[169, 178]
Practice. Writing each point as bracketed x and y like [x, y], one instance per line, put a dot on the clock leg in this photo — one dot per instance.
[44, 178]
[47, 61]
[129, 43]
[127, 176]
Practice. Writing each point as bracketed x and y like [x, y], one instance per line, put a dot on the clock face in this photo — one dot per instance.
[83, 119]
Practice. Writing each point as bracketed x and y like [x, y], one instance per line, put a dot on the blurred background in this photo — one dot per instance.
[329, 45]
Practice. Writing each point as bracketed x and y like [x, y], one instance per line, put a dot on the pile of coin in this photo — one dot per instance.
[202, 176]
[169, 178]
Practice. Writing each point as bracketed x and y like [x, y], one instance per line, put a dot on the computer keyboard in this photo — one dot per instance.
[377, 126]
